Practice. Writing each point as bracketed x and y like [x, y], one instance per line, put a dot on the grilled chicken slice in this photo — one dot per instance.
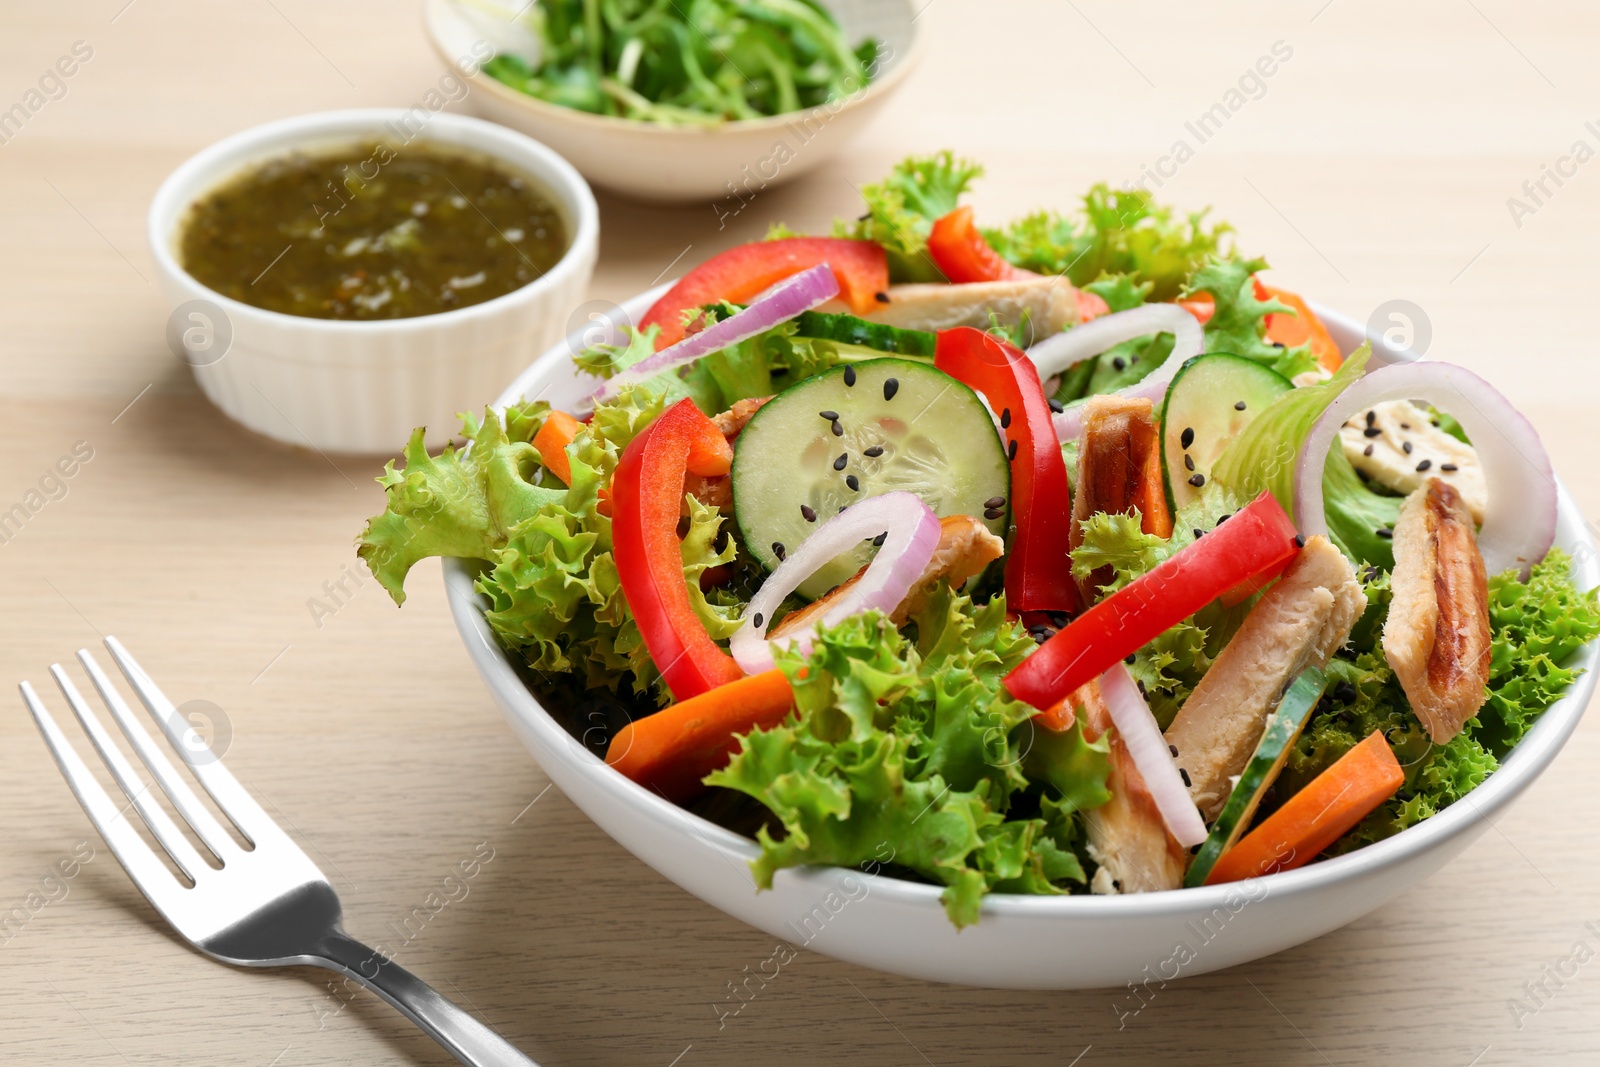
[1118, 443]
[1127, 836]
[965, 547]
[1300, 621]
[1437, 634]
[1397, 445]
[1049, 303]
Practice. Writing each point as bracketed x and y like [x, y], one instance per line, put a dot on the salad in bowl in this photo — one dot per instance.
[1068, 557]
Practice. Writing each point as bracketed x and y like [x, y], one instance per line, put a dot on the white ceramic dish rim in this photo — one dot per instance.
[220, 162]
[1516, 772]
[898, 70]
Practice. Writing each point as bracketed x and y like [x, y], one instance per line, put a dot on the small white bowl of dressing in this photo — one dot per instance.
[360, 385]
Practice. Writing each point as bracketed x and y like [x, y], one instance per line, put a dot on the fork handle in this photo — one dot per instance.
[461, 1033]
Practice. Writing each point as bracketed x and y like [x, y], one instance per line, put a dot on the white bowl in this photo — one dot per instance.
[346, 386]
[724, 165]
[1020, 942]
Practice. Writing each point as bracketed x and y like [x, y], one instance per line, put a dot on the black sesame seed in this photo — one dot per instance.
[849, 375]
[1277, 344]
[1198, 533]
[1405, 446]
[1005, 419]
[831, 416]
[1057, 406]
[1058, 618]
[1128, 659]
[1197, 480]
[1299, 540]
[843, 460]
[1424, 465]
[1184, 774]
[1186, 438]
[758, 620]
[1370, 574]
[838, 428]
[1238, 405]
[881, 297]
[1372, 418]
[877, 542]
[1435, 422]
[891, 386]
[1345, 693]
[853, 482]
[1188, 462]
[1405, 426]
[995, 502]
[779, 551]
[1118, 363]
[1384, 532]
[808, 513]
[1223, 518]
[1368, 450]
[992, 513]
[1372, 431]
[1174, 750]
[1449, 468]
[1011, 449]
[874, 452]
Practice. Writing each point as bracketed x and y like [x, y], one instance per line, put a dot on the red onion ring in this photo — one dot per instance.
[1141, 736]
[780, 303]
[1055, 354]
[1519, 525]
[913, 531]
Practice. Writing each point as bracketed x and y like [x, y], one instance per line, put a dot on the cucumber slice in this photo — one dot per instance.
[1201, 415]
[937, 440]
[852, 334]
[1293, 712]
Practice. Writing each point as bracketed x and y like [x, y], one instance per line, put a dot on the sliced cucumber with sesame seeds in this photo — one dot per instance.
[856, 431]
[1210, 399]
[863, 336]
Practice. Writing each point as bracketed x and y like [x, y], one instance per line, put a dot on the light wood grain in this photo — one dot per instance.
[1376, 166]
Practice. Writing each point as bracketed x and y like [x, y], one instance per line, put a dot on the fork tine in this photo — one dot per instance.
[165, 830]
[183, 798]
[224, 788]
[136, 857]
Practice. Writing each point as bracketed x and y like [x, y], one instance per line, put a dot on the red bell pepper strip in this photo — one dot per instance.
[1256, 539]
[962, 255]
[646, 500]
[742, 273]
[1038, 568]
[672, 750]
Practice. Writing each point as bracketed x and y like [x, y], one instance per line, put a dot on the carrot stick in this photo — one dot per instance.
[1303, 327]
[1062, 714]
[673, 749]
[1318, 815]
[552, 440]
[1155, 518]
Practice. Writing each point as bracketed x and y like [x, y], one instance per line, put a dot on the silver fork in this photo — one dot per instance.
[268, 906]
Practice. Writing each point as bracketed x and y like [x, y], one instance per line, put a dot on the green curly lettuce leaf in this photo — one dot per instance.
[1117, 232]
[459, 503]
[1238, 324]
[915, 747]
[1536, 625]
[902, 209]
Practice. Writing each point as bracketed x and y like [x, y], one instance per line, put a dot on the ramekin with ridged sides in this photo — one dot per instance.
[361, 386]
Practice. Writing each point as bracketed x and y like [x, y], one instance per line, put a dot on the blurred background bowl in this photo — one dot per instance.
[674, 164]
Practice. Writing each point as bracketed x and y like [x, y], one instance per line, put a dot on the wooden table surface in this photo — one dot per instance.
[1374, 165]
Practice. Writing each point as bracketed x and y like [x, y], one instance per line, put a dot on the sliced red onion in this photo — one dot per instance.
[913, 534]
[780, 303]
[1519, 525]
[1055, 354]
[1141, 736]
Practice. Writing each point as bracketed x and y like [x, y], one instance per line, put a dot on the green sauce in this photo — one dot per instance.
[373, 231]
